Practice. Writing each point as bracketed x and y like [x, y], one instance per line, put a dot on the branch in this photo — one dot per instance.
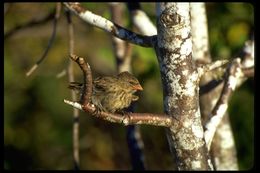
[199, 29]
[31, 23]
[121, 49]
[75, 127]
[234, 73]
[140, 19]
[129, 118]
[211, 66]
[57, 15]
[247, 68]
[106, 25]
[87, 87]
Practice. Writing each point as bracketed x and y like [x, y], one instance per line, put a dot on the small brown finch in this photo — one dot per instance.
[112, 93]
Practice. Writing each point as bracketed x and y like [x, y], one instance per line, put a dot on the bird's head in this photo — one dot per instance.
[130, 80]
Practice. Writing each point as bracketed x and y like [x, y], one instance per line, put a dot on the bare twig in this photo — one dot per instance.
[57, 15]
[87, 88]
[31, 23]
[211, 66]
[234, 73]
[62, 73]
[73, 95]
[114, 29]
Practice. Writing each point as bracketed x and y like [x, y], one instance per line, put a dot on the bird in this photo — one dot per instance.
[112, 94]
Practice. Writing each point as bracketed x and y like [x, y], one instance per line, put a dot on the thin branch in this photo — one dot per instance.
[31, 23]
[57, 15]
[87, 88]
[127, 119]
[234, 73]
[206, 88]
[247, 67]
[211, 66]
[62, 73]
[73, 95]
[114, 29]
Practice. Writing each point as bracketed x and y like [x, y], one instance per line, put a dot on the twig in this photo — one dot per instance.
[73, 95]
[247, 67]
[31, 23]
[114, 29]
[87, 88]
[234, 73]
[211, 66]
[57, 15]
[62, 73]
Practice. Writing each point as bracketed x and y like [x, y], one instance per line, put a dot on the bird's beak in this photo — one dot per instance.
[138, 87]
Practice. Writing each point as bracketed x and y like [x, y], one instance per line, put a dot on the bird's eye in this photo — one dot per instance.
[132, 82]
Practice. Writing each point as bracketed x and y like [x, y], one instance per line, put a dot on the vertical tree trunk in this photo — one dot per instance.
[223, 156]
[181, 87]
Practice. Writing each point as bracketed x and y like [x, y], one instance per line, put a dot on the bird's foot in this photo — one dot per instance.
[126, 117]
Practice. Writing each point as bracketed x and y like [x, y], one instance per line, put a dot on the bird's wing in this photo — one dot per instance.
[103, 83]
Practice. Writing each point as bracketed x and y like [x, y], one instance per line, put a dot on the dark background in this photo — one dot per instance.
[38, 125]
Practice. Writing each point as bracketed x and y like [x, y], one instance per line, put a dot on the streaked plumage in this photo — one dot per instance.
[113, 93]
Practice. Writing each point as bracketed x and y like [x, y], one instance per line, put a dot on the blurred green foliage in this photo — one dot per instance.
[38, 125]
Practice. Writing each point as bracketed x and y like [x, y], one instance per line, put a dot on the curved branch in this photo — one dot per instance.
[114, 29]
[87, 88]
[31, 23]
[234, 73]
[35, 66]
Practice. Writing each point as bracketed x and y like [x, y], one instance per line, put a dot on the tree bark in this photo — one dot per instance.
[180, 87]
